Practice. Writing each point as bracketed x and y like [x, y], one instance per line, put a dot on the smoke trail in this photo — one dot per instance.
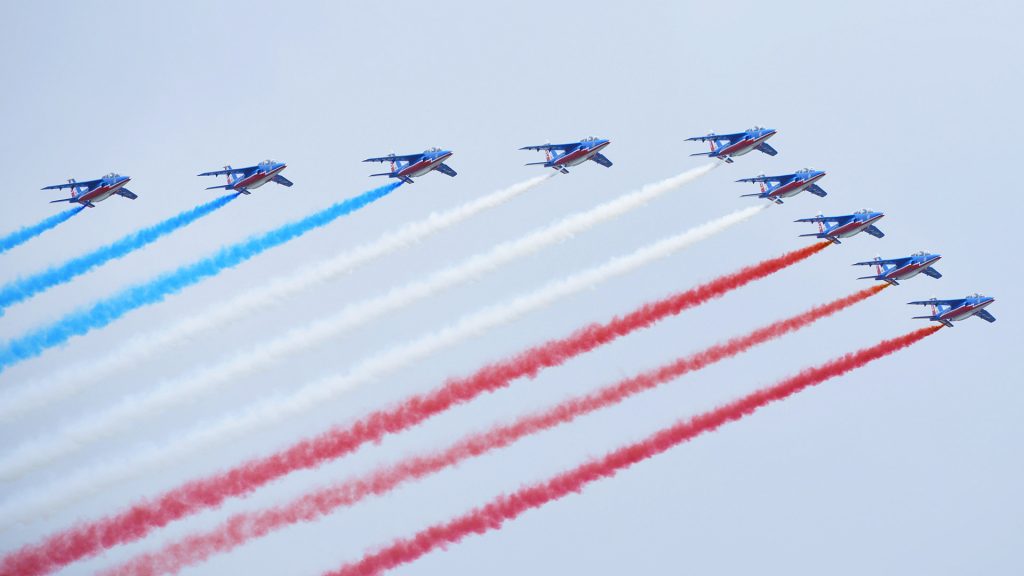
[191, 386]
[313, 395]
[24, 288]
[70, 380]
[509, 506]
[27, 233]
[106, 311]
[247, 526]
[134, 523]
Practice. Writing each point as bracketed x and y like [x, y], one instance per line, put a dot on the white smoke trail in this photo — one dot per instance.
[133, 409]
[34, 395]
[86, 482]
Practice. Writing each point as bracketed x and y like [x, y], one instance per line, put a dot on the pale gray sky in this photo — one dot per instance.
[910, 465]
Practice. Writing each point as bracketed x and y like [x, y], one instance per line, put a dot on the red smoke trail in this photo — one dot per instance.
[246, 526]
[90, 538]
[508, 507]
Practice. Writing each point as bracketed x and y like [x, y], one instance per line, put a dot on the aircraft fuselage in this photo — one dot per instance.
[256, 179]
[794, 187]
[101, 192]
[741, 147]
[422, 166]
[577, 156]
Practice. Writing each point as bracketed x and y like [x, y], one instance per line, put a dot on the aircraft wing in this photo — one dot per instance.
[126, 193]
[896, 261]
[764, 147]
[985, 315]
[446, 169]
[954, 303]
[282, 180]
[816, 190]
[602, 160]
[393, 158]
[929, 271]
[568, 146]
[765, 179]
[717, 137]
[227, 171]
[87, 184]
[874, 231]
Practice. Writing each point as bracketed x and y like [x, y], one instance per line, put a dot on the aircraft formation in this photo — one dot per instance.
[560, 157]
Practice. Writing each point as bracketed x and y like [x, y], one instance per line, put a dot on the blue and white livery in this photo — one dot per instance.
[251, 177]
[775, 188]
[410, 166]
[832, 228]
[949, 311]
[727, 146]
[98, 190]
[560, 156]
[892, 270]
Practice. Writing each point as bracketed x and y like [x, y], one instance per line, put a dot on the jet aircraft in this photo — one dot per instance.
[572, 153]
[949, 311]
[408, 166]
[833, 228]
[894, 269]
[727, 146]
[98, 190]
[244, 179]
[775, 188]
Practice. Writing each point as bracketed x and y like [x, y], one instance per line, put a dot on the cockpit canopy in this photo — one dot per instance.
[267, 163]
[112, 175]
[433, 149]
[590, 139]
[920, 253]
[864, 211]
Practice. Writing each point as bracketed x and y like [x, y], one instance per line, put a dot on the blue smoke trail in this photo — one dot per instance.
[106, 311]
[24, 288]
[29, 232]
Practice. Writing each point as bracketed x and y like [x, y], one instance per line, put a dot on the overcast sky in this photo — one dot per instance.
[910, 465]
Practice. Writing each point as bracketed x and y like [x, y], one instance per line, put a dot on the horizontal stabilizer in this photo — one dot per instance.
[816, 190]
